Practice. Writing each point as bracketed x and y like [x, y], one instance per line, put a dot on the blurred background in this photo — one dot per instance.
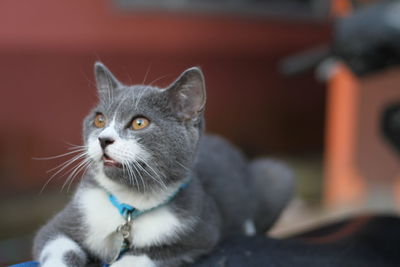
[313, 82]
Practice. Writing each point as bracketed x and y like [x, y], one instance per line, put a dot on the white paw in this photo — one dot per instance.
[52, 262]
[54, 252]
[134, 261]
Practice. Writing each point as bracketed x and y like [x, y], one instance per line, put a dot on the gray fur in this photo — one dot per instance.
[225, 189]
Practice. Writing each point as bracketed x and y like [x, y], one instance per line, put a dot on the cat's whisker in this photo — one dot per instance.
[67, 163]
[75, 171]
[139, 97]
[125, 169]
[83, 174]
[151, 168]
[157, 79]
[131, 174]
[183, 166]
[140, 176]
[147, 73]
[156, 179]
[134, 175]
[74, 145]
[77, 147]
[61, 167]
[59, 156]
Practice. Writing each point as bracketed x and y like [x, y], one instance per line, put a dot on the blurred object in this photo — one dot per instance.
[360, 168]
[367, 40]
[391, 125]
[304, 61]
[341, 8]
[342, 180]
[289, 9]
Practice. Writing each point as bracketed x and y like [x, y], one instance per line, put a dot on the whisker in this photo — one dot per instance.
[147, 73]
[74, 172]
[61, 167]
[58, 156]
[151, 168]
[183, 166]
[159, 180]
[159, 78]
[141, 177]
[139, 97]
[83, 174]
[67, 163]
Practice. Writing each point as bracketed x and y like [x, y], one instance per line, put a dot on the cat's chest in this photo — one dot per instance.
[156, 227]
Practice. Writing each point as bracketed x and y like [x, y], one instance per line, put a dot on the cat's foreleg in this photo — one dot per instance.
[55, 244]
[61, 251]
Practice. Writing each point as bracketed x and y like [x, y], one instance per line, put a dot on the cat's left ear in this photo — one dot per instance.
[105, 80]
[187, 95]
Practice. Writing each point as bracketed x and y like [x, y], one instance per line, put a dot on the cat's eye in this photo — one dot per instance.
[99, 121]
[140, 123]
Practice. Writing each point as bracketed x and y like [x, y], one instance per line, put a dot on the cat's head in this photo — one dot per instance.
[145, 137]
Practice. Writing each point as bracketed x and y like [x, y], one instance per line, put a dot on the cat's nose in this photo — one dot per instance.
[105, 141]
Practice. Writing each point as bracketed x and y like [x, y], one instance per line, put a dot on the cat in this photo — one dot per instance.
[157, 191]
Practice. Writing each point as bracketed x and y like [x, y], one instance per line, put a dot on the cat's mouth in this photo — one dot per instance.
[108, 161]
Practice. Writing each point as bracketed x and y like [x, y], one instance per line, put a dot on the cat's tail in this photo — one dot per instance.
[274, 183]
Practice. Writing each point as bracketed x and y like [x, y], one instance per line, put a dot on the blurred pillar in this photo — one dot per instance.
[340, 8]
[361, 166]
[343, 184]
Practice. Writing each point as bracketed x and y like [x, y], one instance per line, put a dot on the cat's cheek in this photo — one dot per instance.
[94, 150]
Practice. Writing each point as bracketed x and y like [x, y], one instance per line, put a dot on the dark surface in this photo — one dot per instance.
[361, 241]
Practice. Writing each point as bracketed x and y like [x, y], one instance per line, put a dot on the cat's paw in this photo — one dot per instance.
[62, 252]
[133, 261]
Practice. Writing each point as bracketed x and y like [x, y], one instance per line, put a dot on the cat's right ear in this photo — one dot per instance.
[187, 95]
[105, 80]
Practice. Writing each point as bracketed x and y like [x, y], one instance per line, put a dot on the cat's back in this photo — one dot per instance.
[225, 175]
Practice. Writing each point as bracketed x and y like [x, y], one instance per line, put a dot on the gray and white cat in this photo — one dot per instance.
[157, 191]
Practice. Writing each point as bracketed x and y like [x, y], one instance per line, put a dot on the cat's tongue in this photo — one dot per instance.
[110, 162]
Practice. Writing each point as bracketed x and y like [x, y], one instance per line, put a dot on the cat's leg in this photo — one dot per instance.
[61, 251]
[55, 244]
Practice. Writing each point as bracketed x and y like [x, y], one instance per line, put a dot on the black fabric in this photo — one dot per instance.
[361, 241]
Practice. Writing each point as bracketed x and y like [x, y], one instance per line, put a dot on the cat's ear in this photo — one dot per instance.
[187, 95]
[105, 80]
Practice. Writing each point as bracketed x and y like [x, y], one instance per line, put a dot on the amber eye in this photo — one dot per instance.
[100, 121]
[140, 123]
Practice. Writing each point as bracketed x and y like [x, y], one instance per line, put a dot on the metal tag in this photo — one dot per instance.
[114, 243]
[120, 240]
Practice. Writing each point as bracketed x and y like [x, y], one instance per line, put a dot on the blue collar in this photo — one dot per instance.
[126, 209]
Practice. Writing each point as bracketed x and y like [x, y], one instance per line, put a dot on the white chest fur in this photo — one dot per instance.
[159, 226]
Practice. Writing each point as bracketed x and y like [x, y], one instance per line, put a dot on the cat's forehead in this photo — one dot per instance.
[132, 99]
